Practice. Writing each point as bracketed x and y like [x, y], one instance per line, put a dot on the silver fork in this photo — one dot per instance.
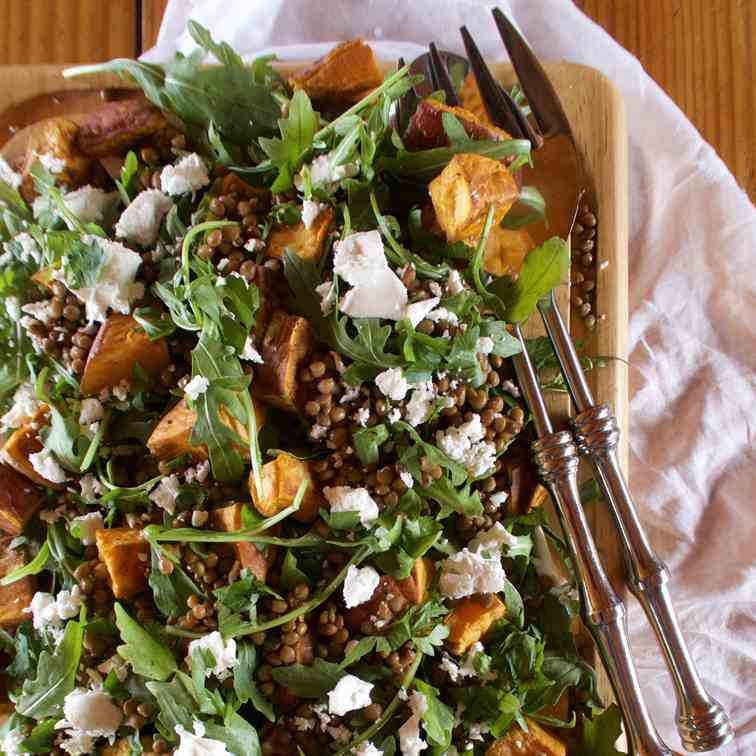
[701, 721]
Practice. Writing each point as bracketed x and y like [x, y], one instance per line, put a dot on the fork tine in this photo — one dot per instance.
[405, 105]
[441, 78]
[536, 140]
[490, 92]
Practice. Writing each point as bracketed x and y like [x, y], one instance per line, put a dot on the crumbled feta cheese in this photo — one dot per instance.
[392, 384]
[385, 298]
[89, 203]
[510, 387]
[310, 211]
[196, 744]
[196, 387]
[24, 407]
[91, 712]
[30, 251]
[188, 175]
[454, 283]
[140, 221]
[40, 311]
[326, 175]
[419, 406]
[359, 585]
[165, 493]
[406, 478]
[410, 741]
[115, 288]
[8, 175]
[88, 525]
[363, 415]
[395, 415]
[301, 724]
[45, 464]
[251, 245]
[484, 345]
[199, 518]
[121, 391]
[498, 498]
[327, 293]
[12, 305]
[366, 748]
[465, 444]
[349, 694]
[493, 540]
[441, 313]
[77, 743]
[90, 487]
[11, 744]
[249, 352]
[91, 411]
[51, 162]
[223, 653]
[468, 572]
[350, 394]
[346, 499]
[467, 668]
[49, 612]
[478, 730]
[198, 473]
[417, 311]
[450, 667]
[318, 432]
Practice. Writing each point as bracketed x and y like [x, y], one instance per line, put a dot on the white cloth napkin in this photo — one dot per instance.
[692, 311]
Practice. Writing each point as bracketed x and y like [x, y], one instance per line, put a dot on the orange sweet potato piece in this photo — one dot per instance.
[470, 620]
[426, 129]
[388, 590]
[536, 742]
[228, 519]
[341, 77]
[172, 435]
[469, 96]
[505, 250]
[116, 126]
[307, 243]
[126, 556]
[19, 500]
[119, 345]
[232, 183]
[415, 587]
[281, 478]
[463, 192]
[24, 442]
[14, 598]
[287, 342]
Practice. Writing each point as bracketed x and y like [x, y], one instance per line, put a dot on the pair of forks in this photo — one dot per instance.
[701, 721]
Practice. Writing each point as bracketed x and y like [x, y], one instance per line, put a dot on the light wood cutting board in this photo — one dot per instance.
[595, 110]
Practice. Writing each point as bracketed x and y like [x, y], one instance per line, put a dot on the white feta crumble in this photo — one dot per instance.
[121, 391]
[366, 748]
[140, 221]
[347, 499]
[199, 472]
[77, 743]
[510, 387]
[90, 487]
[188, 175]
[441, 313]
[493, 540]
[498, 498]
[88, 525]
[45, 464]
[224, 654]
[115, 288]
[478, 730]
[11, 744]
[417, 311]
[196, 744]
[363, 415]
[165, 493]
[465, 444]
[196, 387]
[318, 431]
[419, 406]
[410, 741]
[251, 245]
[89, 203]
[468, 572]
[454, 283]
[29, 249]
[310, 211]
[394, 416]
[91, 712]
[392, 384]
[39, 310]
[49, 612]
[327, 293]
[8, 175]
[249, 352]
[406, 478]
[302, 724]
[12, 305]
[91, 411]
[199, 518]
[349, 694]
[326, 175]
[51, 162]
[359, 585]
[350, 394]
[24, 407]
[484, 345]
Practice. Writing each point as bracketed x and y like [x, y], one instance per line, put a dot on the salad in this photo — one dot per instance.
[266, 484]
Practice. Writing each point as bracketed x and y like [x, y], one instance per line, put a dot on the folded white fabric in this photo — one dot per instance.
[692, 311]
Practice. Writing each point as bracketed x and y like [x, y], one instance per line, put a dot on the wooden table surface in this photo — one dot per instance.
[701, 52]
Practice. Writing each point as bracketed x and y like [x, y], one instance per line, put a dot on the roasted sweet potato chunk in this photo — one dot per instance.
[415, 587]
[287, 342]
[116, 126]
[340, 78]
[465, 189]
[14, 598]
[172, 436]
[371, 613]
[273, 288]
[228, 519]
[56, 139]
[281, 478]
[119, 345]
[426, 129]
[24, 442]
[469, 96]
[535, 742]
[19, 500]
[505, 250]
[126, 555]
[470, 620]
[307, 243]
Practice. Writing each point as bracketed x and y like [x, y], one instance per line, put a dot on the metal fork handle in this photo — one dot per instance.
[701, 721]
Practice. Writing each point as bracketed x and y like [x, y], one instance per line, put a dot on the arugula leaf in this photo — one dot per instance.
[291, 575]
[170, 592]
[238, 735]
[40, 740]
[56, 676]
[438, 718]
[245, 686]
[309, 681]
[367, 443]
[601, 733]
[147, 656]
[34, 567]
[176, 702]
[544, 268]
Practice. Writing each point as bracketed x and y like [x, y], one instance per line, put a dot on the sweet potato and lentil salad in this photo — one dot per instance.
[265, 482]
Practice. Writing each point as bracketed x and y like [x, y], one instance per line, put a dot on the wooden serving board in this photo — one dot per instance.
[595, 110]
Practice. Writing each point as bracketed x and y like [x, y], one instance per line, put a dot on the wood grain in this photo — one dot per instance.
[152, 15]
[67, 31]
